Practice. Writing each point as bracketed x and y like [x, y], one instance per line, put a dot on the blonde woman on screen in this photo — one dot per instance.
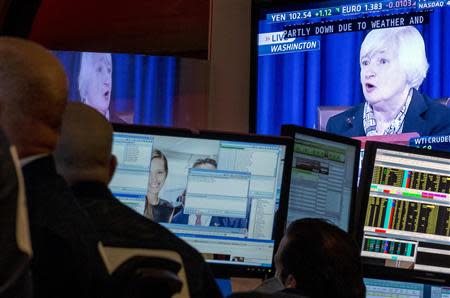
[156, 208]
[393, 66]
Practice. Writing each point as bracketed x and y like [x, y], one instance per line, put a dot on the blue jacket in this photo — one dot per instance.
[216, 221]
[424, 116]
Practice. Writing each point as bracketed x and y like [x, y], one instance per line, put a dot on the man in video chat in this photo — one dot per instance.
[393, 66]
[202, 219]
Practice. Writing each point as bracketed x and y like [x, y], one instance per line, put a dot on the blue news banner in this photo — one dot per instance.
[303, 37]
[440, 143]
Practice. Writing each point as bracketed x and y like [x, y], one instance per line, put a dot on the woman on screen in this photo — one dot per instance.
[156, 208]
[94, 83]
[393, 66]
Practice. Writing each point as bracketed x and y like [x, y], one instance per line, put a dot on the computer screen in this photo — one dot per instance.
[125, 88]
[439, 292]
[218, 192]
[323, 176]
[376, 288]
[405, 197]
[307, 54]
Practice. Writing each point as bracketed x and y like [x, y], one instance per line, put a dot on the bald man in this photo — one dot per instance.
[83, 156]
[33, 96]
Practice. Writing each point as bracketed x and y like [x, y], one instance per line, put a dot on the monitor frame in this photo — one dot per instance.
[383, 272]
[290, 130]
[228, 270]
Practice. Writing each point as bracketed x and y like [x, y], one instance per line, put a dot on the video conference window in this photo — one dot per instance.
[217, 193]
[125, 88]
[130, 181]
[219, 196]
[389, 60]
[407, 220]
[321, 180]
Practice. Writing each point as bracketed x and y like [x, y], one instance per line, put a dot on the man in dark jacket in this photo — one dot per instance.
[33, 96]
[83, 157]
[15, 278]
[315, 259]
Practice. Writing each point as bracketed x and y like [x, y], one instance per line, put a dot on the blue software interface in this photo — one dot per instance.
[220, 196]
[377, 288]
[321, 180]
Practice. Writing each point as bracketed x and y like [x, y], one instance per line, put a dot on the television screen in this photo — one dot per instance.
[405, 223]
[125, 88]
[218, 192]
[323, 177]
[389, 60]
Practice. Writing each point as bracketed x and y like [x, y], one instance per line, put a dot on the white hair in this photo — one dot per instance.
[409, 46]
[87, 70]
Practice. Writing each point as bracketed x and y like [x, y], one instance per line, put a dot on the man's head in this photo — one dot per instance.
[33, 96]
[205, 163]
[320, 259]
[84, 149]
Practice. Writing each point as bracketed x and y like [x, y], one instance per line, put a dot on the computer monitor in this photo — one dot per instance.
[323, 176]
[439, 292]
[404, 229]
[376, 288]
[224, 194]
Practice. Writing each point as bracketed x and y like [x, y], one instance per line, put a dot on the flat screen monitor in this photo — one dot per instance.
[124, 87]
[323, 176]
[404, 227]
[306, 56]
[224, 194]
[376, 288]
[439, 292]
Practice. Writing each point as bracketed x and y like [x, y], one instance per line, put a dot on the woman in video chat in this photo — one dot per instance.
[393, 66]
[156, 208]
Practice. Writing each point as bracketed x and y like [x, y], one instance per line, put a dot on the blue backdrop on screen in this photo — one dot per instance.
[142, 87]
[291, 86]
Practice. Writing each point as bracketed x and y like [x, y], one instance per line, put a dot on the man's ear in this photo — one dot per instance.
[290, 282]
[112, 167]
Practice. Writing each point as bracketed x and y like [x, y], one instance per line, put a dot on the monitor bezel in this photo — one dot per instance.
[228, 270]
[383, 272]
[291, 130]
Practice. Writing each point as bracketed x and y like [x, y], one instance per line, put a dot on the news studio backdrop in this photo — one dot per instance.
[306, 54]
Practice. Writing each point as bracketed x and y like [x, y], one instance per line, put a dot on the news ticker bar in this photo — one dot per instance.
[352, 9]
[286, 41]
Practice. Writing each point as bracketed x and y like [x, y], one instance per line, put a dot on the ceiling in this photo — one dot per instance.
[169, 27]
